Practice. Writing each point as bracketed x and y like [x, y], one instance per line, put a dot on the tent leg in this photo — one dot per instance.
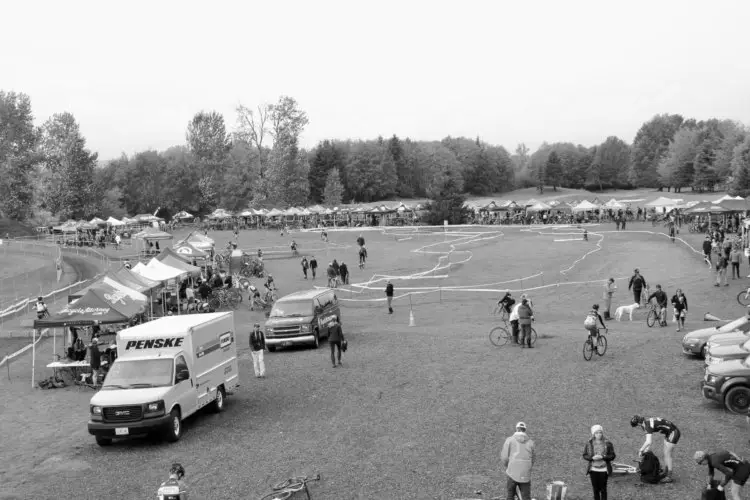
[33, 356]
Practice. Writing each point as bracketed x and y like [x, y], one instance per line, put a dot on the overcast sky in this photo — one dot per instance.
[134, 73]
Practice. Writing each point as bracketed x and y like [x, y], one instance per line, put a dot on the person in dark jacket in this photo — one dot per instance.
[525, 317]
[95, 359]
[389, 296]
[707, 250]
[735, 469]
[360, 241]
[344, 273]
[336, 266]
[680, 305]
[257, 347]
[599, 453]
[313, 265]
[335, 337]
[637, 284]
[661, 302]
[305, 265]
[331, 273]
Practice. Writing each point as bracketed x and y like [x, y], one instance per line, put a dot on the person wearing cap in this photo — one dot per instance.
[609, 291]
[389, 295]
[637, 284]
[734, 468]
[257, 346]
[599, 453]
[518, 458]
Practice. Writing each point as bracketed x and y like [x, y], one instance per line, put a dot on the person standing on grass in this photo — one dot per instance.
[513, 318]
[721, 270]
[609, 291]
[305, 265]
[344, 272]
[525, 317]
[599, 453]
[313, 266]
[707, 247]
[335, 338]
[257, 346]
[95, 359]
[637, 284]
[518, 458]
[389, 296]
[680, 306]
[735, 257]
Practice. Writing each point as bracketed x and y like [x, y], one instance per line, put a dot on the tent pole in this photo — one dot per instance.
[33, 356]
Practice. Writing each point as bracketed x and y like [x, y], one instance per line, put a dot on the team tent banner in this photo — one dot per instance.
[110, 286]
[97, 306]
[187, 250]
[135, 281]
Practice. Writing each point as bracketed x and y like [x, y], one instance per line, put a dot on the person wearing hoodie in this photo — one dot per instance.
[518, 458]
[599, 453]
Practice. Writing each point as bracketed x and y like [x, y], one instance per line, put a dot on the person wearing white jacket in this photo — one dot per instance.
[518, 458]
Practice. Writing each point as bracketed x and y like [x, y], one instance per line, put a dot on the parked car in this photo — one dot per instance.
[301, 318]
[733, 338]
[719, 354]
[729, 383]
[694, 343]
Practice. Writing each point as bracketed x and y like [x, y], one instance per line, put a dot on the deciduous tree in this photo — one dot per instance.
[334, 190]
[18, 156]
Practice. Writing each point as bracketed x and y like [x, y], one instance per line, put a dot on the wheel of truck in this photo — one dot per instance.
[316, 339]
[219, 401]
[174, 430]
[271, 348]
[737, 399]
[102, 441]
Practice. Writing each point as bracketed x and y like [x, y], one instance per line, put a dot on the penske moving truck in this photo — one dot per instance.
[165, 371]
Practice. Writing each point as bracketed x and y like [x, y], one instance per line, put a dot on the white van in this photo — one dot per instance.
[166, 370]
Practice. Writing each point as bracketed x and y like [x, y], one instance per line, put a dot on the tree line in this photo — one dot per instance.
[260, 162]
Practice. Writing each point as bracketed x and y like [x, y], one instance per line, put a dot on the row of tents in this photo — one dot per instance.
[318, 210]
[722, 205]
[72, 226]
[120, 295]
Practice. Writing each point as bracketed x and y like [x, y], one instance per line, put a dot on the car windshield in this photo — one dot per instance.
[140, 373]
[291, 309]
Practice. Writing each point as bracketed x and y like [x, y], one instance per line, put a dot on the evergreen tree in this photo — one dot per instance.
[334, 190]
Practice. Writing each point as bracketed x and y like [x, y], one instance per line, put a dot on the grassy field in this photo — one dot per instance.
[417, 412]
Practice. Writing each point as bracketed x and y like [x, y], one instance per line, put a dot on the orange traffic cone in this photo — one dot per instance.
[411, 318]
[710, 317]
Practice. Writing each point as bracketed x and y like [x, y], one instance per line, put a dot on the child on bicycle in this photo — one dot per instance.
[591, 321]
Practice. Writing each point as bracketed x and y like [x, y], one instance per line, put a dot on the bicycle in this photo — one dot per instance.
[600, 347]
[499, 336]
[286, 489]
[224, 297]
[654, 315]
[620, 469]
[744, 298]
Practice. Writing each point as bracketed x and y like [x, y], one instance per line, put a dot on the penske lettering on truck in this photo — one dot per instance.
[154, 343]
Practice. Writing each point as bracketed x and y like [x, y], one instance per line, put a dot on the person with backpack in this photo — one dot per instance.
[735, 469]
[637, 284]
[671, 437]
[599, 453]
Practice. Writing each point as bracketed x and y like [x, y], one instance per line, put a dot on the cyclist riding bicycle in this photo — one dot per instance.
[255, 296]
[671, 437]
[661, 304]
[41, 308]
[294, 247]
[260, 254]
[590, 322]
[269, 284]
[173, 488]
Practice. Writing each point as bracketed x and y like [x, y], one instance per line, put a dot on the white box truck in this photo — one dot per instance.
[165, 371]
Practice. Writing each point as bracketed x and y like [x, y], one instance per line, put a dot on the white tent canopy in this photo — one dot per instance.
[584, 206]
[114, 222]
[96, 220]
[538, 207]
[274, 212]
[726, 197]
[158, 271]
[663, 202]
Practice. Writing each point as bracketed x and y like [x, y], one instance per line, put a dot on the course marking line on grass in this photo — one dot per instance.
[467, 237]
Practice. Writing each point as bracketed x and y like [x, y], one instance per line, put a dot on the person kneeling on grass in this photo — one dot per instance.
[735, 469]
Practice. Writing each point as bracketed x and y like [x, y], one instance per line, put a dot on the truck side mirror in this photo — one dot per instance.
[183, 375]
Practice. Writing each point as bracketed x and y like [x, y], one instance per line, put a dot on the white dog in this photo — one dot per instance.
[626, 309]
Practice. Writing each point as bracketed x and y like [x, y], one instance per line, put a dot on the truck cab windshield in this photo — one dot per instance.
[291, 309]
[138, 374]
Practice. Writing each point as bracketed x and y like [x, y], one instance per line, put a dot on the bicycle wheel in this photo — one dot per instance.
[744, 298]
[651, 318]
[588, 349]
[499, 336]
[278, 495]
[601, 345]
[214, 303]
[533, 336]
